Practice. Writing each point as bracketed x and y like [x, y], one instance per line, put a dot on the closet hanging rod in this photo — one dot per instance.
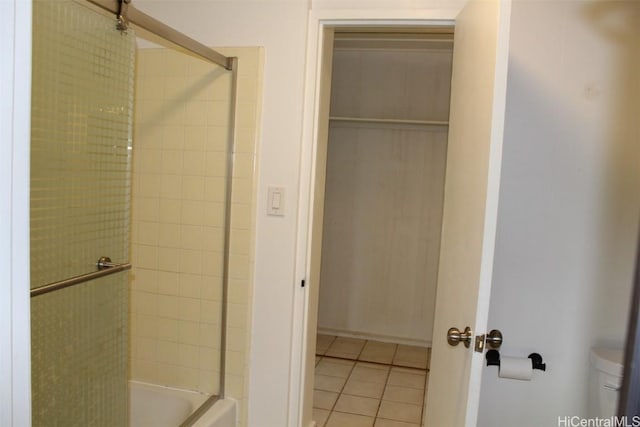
[162, 30]
[389, 121]
[105, 268]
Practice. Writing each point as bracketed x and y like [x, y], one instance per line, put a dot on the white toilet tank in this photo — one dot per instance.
[605, 381]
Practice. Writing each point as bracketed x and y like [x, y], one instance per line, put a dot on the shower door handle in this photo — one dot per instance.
[104, 268]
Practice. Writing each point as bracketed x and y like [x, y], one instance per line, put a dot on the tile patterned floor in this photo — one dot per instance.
[360, 383]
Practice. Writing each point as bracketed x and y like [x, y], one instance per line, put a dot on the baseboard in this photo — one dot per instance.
[376, 337]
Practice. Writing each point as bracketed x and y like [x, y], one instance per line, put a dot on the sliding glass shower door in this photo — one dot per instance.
[80, 196]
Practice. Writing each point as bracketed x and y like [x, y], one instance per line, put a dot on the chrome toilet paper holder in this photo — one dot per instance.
[493, 359]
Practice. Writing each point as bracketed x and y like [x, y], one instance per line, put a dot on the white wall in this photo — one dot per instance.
[569, 202]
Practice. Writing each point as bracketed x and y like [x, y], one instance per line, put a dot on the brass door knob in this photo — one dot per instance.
[454, 336]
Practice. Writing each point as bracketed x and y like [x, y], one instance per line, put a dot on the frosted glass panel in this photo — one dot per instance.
[80, 197]
[79, 355]
[181, 135]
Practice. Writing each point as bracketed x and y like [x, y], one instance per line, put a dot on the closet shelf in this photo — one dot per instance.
[389, 121]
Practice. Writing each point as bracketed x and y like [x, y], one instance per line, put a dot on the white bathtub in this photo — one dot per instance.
[157, 406]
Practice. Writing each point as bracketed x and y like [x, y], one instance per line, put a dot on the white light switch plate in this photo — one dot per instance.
[275, 201]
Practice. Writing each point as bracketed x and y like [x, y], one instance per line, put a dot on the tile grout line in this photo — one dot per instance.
[374, 363]
[362, 349]
[395, 352]
[384, 389]
[424, 394]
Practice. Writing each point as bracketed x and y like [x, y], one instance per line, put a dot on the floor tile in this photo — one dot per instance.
[320, 416]
[407, 378]
[357, 405]
[415, 371]
[372, 365]
[369, 374]
[365, 379]
[324, 399]
[380, 422]
[412, 356]
[335, 367]
[400, 411]
[327, 383]
[340, 419]
[403, 394]
[379, 352]
[363, 388]
[348, 348]
[323, 342]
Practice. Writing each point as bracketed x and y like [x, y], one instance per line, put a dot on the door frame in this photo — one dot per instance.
[320, 23]
[15, 130]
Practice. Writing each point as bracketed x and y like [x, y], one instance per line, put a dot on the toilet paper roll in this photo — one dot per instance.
[517, 368]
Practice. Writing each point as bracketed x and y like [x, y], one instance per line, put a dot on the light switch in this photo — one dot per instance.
[275, 201]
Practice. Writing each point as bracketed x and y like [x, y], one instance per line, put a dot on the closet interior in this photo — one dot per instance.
[385, 173]
[384, 186]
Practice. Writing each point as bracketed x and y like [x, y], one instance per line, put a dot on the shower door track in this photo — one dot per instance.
[105, 268]
[146, 22]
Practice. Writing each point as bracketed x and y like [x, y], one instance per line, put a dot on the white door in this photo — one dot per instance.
[472, 179]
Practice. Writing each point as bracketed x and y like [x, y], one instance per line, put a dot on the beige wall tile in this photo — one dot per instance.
[213, 264]
[145, 280]
[169, 235]
[171, 186]
[214, 188]
[191, 237]
[211, 311]
[168, 283]
[193, 163]
[172, 138]
[237, 315]
[168, 259]
[167, 352]
[147, 184]
[212, 239]
[147, 256]
[217, 138]
[188, 332]
[195, 138]
[243, 165]
[146, 209]
[170, 211]
[208, 357]
[190, 285]
[192, 187]
[211, 288]
[167, 329]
